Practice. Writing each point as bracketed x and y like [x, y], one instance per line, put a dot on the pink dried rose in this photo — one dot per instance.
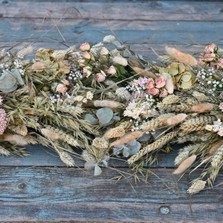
[211, 48]
[85, 47]
[86, 55]
[104, 51]
[163, 93]
[160, 82]
[111, 70]
[3, 121]
[153, 91]
[100, 77]
[61, 88]
[150, 84]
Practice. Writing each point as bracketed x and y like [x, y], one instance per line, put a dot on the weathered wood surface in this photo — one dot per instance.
[58, 195]
[39, 188]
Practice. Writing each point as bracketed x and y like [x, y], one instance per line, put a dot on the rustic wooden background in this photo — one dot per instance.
[40, 188]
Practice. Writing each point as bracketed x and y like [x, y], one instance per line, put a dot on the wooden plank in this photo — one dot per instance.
[131, 32]
[63, 195]
[113, 10]
[41, 156]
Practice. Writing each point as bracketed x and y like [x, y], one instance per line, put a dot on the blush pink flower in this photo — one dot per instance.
[111, 70]
[163, 93]
[85, 47]
[86, 55]
[153, 91]
[211, 48]
[100, 77]
[160, 82]
[61, 88]
[150, 84]
[86, 71]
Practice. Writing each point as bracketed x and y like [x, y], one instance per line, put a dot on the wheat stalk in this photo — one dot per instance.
[153, 146]
[196, 124]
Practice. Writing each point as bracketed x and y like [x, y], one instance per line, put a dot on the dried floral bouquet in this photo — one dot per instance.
[103, 100]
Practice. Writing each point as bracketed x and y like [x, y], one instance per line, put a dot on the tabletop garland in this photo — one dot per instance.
[104, 100]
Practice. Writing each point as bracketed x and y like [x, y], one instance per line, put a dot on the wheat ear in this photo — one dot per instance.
[153, 146]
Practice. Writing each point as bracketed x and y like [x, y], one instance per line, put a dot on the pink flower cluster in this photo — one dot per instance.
[157, 87]
[3, 121]
[85, 62]
[62, 88]
[154, 87]
[211, 57]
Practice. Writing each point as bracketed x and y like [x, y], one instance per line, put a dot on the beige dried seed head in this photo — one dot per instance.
[127, 138]
[87, 156]
[50, 134]
[181, 57]
[15, 139]
[176, 119]
[100, 143]
[115, 132]
[66, 158]
[201, 108]
[185, 164]
[196, 187]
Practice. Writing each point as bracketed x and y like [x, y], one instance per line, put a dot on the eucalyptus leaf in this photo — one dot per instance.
[91, 119]
[8, 82]
[104, 115]
[97, 170]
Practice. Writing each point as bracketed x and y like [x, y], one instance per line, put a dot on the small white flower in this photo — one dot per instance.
[109, 39]
[120, 60]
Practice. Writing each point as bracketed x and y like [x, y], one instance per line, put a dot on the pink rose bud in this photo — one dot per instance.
[100, 77]
[61, 88]
[153, 91]
[86, 55]
[150, 84]
[211, 48]
[163, 93]
[111, 70]
[160, 82]
[86, 71]
[104, 51]
[85, 47]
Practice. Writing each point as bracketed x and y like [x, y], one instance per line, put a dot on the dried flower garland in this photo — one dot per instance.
[104, 100]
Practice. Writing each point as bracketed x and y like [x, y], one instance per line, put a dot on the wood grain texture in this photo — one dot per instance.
[76, 31]
[113, 10]
[66, 194]
[41, 156]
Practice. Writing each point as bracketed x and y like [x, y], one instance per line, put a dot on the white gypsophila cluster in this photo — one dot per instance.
[77, 75]
[206, 79]
[216, 127]
[123, 93]
[141, 108]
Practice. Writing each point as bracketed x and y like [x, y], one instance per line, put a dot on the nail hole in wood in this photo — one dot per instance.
[164, 210]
